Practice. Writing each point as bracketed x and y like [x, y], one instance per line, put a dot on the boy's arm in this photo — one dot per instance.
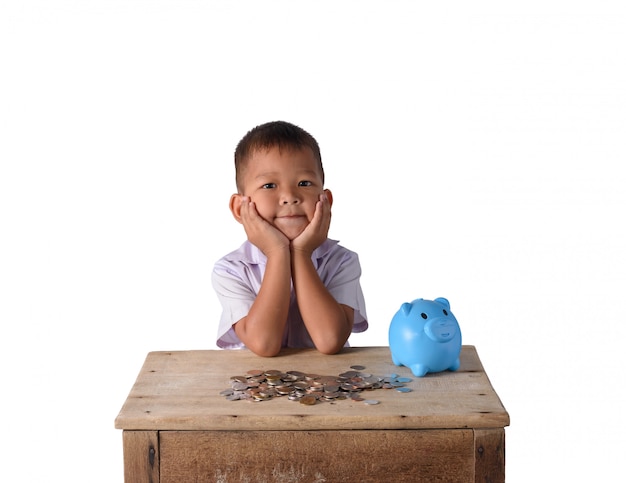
[262, 329]
[329, 323]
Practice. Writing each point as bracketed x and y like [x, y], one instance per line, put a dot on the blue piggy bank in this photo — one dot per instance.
[425, 336]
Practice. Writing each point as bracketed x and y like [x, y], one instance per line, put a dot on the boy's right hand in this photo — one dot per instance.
[266, 237]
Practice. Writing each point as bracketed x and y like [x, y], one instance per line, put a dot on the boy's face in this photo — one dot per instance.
[285, 185]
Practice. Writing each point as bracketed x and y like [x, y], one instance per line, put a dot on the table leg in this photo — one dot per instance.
[489, 455]
[141, 456]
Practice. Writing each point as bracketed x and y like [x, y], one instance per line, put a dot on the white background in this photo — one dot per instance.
[473, 149]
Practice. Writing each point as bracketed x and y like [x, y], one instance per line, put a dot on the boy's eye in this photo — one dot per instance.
[267, 186]
[305, 183]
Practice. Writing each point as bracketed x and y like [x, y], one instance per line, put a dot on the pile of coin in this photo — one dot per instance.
[309, 389]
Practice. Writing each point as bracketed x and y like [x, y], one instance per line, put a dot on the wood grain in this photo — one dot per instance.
[317, 456]
[180, 391]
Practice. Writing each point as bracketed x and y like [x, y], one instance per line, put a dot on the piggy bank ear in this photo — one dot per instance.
[405, 308]
[443, 302]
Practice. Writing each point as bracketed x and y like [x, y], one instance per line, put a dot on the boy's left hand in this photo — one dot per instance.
[317, 231]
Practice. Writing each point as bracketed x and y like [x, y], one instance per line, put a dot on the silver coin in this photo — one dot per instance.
[239, 386]
[349, 374]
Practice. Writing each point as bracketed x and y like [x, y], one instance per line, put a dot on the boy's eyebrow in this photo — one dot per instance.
[269, 174]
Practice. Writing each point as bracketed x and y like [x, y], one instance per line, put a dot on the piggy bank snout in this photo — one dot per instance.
[441, 329]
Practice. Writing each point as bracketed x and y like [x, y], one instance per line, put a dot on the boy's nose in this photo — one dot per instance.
[289, 198]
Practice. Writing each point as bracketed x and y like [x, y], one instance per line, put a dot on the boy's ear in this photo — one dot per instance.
[235, 206]
[329, 195]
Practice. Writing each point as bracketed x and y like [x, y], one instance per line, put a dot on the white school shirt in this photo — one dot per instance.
[237, 279]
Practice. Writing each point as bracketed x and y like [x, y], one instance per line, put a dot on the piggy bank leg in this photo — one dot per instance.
[419, 370]
[456, 365]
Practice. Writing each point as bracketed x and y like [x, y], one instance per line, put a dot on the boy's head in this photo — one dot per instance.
[279, 170]
[279, 134]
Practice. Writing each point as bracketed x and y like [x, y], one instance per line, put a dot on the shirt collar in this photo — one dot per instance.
[249, 253]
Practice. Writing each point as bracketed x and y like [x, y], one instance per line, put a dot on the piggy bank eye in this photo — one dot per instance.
[424, 316]
[445, 312]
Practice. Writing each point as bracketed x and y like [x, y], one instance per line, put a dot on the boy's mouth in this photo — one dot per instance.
[291, 219]
[290, 215]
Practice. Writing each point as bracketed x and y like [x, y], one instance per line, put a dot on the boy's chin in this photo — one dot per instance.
[291, 230]
[292, 234]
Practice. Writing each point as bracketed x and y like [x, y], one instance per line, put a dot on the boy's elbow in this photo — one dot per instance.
[265, 350]
[329, 347]
[330, 351]
[266, 353]
[258, 343]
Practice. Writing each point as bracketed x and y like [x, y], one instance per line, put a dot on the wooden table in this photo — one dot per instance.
[177, 427]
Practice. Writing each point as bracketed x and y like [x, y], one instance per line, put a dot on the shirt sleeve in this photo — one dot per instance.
[236, 298]
[341, 275]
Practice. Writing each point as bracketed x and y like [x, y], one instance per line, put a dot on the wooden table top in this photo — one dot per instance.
[180, 390]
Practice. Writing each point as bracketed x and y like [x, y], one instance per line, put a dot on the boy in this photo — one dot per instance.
[288, 285]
